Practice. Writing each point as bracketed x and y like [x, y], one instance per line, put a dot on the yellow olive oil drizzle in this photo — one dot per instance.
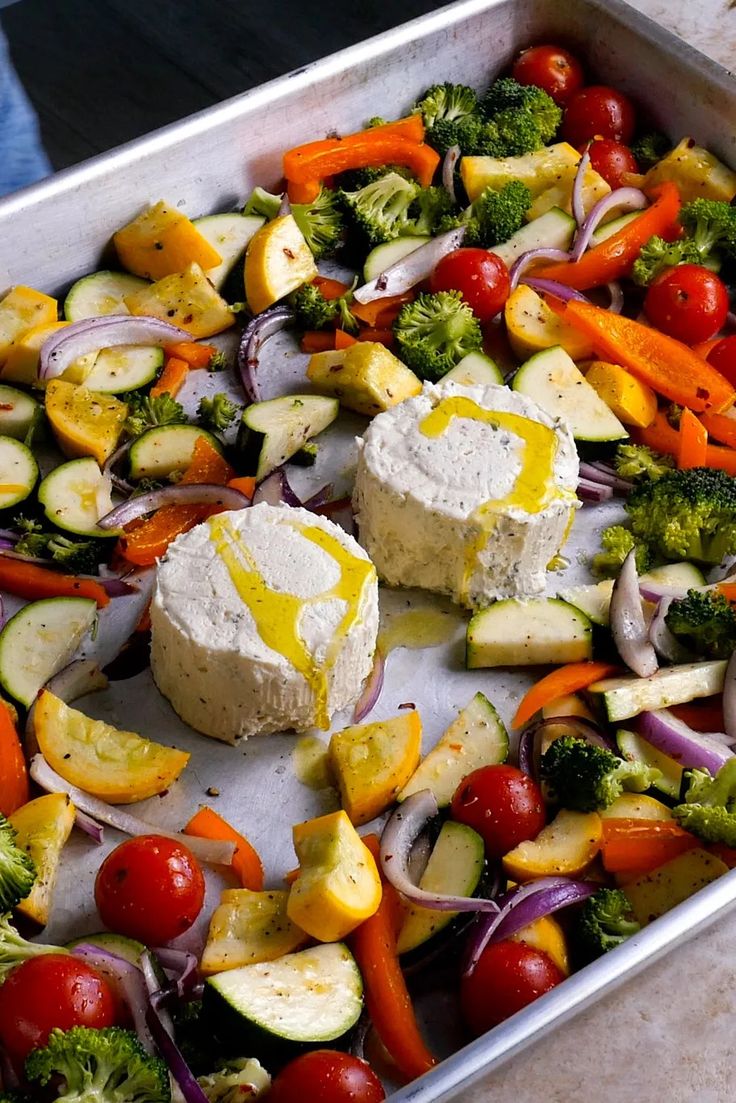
[416, 629]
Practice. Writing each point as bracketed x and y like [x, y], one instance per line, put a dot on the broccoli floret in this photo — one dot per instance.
[429, 210]
[638, 462]
[585, 778]
[381, 210]
[510, 105]
[145, 412]
[705, 622]
[711, 225]
[446, 101]
[79, 555]
[475, 136]
[650, 148]
[263, 204]
[243, 1078]
[17, 870]
[217, 413]
[617, 542]
[605, 920]
[218, 362]
[497, 214]
[688, 514]
[14, 948]
[518, 133]
[314, 311]
[100, 1066]
[504, 93]
[435, 331]
[321, 223]
[709, 809]
[658, 255]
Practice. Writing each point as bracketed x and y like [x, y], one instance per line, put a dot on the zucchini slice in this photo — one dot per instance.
[125, 368]
[528, 633]
[279, 1007]
[552, 230]
[475, 738]
[160, 452]
[634, 748]
[675, 574]
[595, 600]
[272, 432]
[18, 412]
[229, 235]
[613, 227]
[39, 640]
[248, 927]
[552, 379]
[100, 293]
[18, 472]
[75, 495]
[390, 252]
[671, 685]
[475, 367]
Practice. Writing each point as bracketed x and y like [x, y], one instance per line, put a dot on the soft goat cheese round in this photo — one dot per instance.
[262, 620]
[468, 491]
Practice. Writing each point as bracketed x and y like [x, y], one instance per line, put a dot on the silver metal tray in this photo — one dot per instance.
[54, 232]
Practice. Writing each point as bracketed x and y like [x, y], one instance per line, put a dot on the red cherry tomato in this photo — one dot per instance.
[326, 1076]
[555, 70]
[481, 277]
[509, 976]
[502, 804]
[598, 111]
[723, 358]
[53, 990]
[149, 888]
[612, 160]
[688, 302]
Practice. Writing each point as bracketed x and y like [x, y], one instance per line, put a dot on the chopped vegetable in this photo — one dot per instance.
[241, 1079]
[32, 582]
[640, 845]
[380, 210]
[75, 553]
[42, 827]
[321, 222]
[705, 622]
[559, 683]
[494, 216]
[172, 378]
[446, 101]
[14, 948]
[217, 413]
[196, 354]
[709, 808]
[372, 762]
[17, 869]
[637, 462]
[100, 1066]
[435, 331]
[507, 94]
[604, 921]
[650, 148]
[162, 240]
[13, 770]
[585, 778]
[686, 514]
[617, 542]
[208, 824]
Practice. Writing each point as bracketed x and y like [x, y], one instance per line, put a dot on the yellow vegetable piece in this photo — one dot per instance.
[697, 173]
[43, 827]
[277, 261]
[119, 767]
[21, 363]
[366, 377]
[548, 173]
[162, 240]
[21, 310]
[84, 422]
[532, 326]
[186, 299]
[564, 847]
[248, 927]
[632, 401]
[372, 762]
[636, 806]
[667, 886]
[546, 934]
[338, 884]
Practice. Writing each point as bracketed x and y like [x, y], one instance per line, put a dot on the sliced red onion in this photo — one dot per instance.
[594, 492]
[10, 536]
[210, 851]
[109, 331]
[108, 469]
[320, 498]
[529, 740]
[371, 689]
[628, 627]
[130, 981]
[276, 490]
[615, 290]
[657, 591]
[171, 1053]
[664, 642]
[520, 265]
[90, 827]
[624, 199]
[284, 206]
[411, 269]
[691, 749]
[192, 494]
[523, 905]
[258, 330]
[578, 206]
[597, 473]
[729, 698]
[183, 964]
[448, 171]
[553, 287]
[397, 840]
[341, 512]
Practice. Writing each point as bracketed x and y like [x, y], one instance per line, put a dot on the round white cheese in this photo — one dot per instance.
[468, 491]
[262, 620]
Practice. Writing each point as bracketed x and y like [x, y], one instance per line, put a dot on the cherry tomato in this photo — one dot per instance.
[481, 277]
[509, 976]
[149, 888]
[688, 302]
[326, 1076]
[612, 160]
[598, 112]
[49, 991]
[502, 804]
[555, 70]
[723, 358]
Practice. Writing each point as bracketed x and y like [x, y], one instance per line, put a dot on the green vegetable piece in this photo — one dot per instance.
[263, 204]
[321, 222]
[446, 101]
[435, 331]
[217, 413]
[14, 948]
[17, 870]
[380, 210]
[688, 514]
[709, 809]
[585, 778]
[146, 413]
[638, 462]
[705, 622]
[617, 542]
[650, 148]
[605, 920]
[100, 1066]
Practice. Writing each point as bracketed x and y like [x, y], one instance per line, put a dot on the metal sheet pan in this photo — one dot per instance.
[56, 231]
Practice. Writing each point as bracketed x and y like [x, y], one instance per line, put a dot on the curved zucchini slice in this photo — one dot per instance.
[18, 472]
[39, 640]
[552, 230]
[475, 367]
[160, 452]
[75, 495]
[390, 252]
[634, 748]
[126, 368]
[272, 432]
[18, 412]
[99, 294]
[528, 633]
[229, 235]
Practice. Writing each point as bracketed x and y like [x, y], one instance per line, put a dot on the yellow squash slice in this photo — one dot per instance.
[248, 927]
[664, 888]
[548, 173]
[546, 934]
[43, 827]
[372, 762]
[85, 423]
[562, 848]
[531, 327]
[632, 401]
[366, 377]
[186, 299]
[695, 171]
[162, 240]
[277, 261]
[119, 767]
[21, 310]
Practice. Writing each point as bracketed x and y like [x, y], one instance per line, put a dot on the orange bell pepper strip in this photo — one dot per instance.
[371, 312]
[246, 863]
[196, 355]
[701, 716]
[330, 289]
[171, 378]
[666, 365]
[642, 845]
[387, 999]
[13, 772]
[246, 484]
[32, 582]
[720, 427]
[693, 441]
[560, 682]
[663, 438]
[344, 340]
[317, 340]
[614, 257]
[147, 542]
[379, 336]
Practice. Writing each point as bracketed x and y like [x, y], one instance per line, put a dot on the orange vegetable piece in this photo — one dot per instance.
[720, 427]
[559, 683]
[13, 773]
[705, 715]
[317, 340]
[246, 484]
[172, 377]
[642, 845]
[693, 443]
[344, 340]
[663, 438]
[32, 582]
[196, 355]
[372, 313]
[246, 863]
[379, 336]
[330, 289]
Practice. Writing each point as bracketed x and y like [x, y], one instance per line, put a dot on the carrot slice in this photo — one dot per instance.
[558, 683]
[33, 582]
[693, 443]
[196, 355]
[172, 378]
[246, 863]
[13, 772]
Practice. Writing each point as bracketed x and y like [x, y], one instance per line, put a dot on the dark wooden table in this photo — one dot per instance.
[101, 72]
